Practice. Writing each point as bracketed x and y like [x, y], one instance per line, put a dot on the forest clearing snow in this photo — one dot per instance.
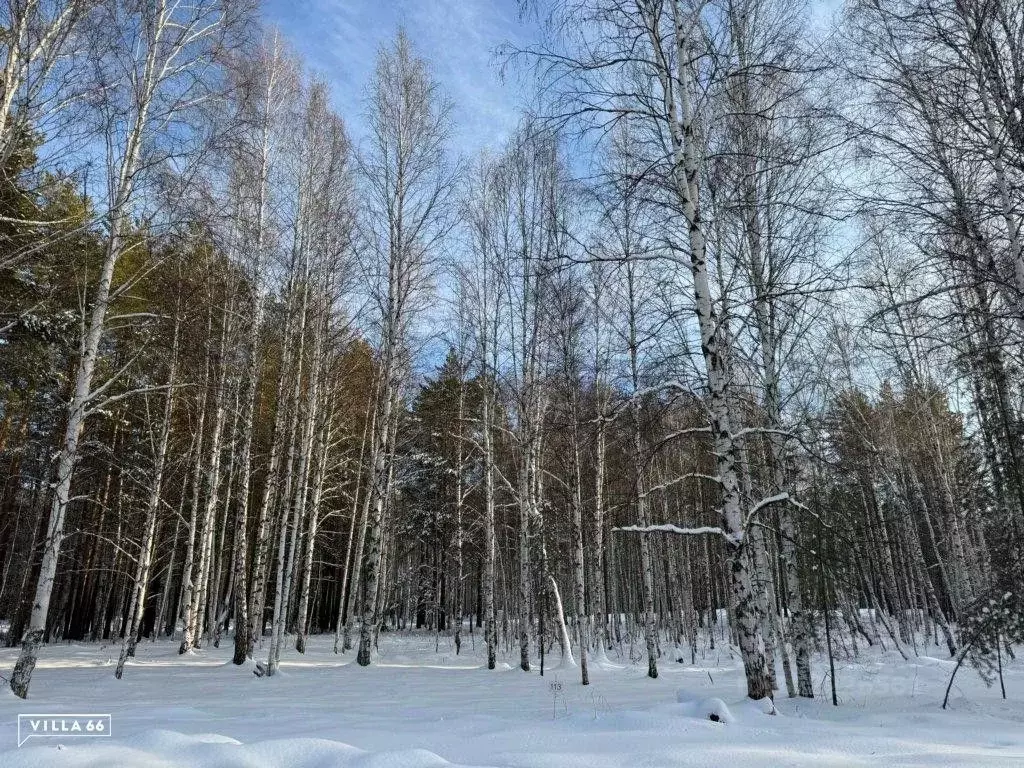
[421, 708]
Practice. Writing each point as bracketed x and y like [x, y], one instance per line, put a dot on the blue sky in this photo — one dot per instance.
[339, 40]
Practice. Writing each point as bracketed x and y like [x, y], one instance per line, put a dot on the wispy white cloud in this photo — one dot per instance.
[339, 40]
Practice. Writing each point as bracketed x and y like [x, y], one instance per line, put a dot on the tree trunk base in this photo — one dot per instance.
[22, 676]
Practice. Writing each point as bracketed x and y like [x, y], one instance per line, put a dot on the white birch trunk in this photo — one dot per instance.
[290, 506]
[89, 345]
[316, 454]
[486, 416]
[138, 599]
[379, 490]
[244, 636]
[269, 496]
[200, 581]
[348, 583]
[686, 178]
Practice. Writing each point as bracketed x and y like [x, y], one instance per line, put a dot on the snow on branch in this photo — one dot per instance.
[741, 433]
[669, 528]
[688, 476]
[767, 502]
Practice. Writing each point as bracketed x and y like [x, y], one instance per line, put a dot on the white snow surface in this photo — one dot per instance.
[420, 708]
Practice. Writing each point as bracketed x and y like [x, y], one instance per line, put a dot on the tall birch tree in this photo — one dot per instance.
[158, 63]
[408, 182]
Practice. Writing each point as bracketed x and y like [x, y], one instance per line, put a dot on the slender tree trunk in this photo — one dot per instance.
[352, 564]
[325, 433]
[290, 506]
[269, 496]
[138, 599]
[193, 613]
[187, 583]
[385, 425]
[487, 586]
[83, 395]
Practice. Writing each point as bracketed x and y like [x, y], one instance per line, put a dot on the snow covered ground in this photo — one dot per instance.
[421, 708]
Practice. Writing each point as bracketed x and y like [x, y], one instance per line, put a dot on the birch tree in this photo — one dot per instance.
[479, 290]
[408, 182]
[165, 51]
[667, 51]
[142, 575]
[265, 101]
[37, 37]
[321, 240]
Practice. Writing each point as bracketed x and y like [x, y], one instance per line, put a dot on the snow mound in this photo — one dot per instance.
[162, 749]
[404, 758]
[763, 706]
[161, 740]
[248, 666]
[603, 661]
[568, 661]
[713, 709]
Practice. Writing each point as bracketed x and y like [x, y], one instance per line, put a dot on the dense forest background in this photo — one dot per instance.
[722, 345]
